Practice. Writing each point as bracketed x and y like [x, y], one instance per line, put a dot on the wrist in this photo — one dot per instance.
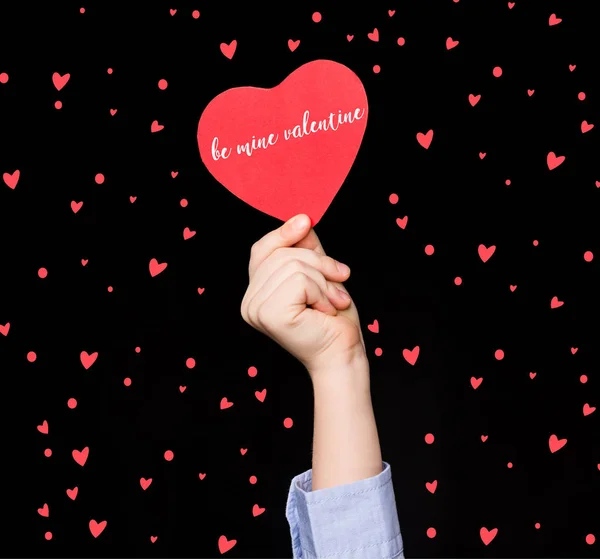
[337, 378]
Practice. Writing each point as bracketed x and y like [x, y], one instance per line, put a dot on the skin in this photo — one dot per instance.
[296, 297]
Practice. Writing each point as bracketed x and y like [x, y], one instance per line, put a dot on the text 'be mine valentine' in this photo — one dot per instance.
[306, 128]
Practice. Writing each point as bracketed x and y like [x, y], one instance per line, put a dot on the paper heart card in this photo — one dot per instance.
[287, 150]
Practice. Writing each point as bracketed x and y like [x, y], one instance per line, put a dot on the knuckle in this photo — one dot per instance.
[295, 265]
[329, 264]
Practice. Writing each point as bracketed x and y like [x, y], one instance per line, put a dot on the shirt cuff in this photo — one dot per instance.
[355, 521]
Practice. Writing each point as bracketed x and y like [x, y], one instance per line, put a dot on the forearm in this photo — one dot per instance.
[345, 441]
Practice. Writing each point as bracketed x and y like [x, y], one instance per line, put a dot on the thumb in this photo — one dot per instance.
[292, 231]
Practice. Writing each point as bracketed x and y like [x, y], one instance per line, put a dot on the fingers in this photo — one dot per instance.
[288, 301]
[330, 268]
[258, 297]
[285, 236]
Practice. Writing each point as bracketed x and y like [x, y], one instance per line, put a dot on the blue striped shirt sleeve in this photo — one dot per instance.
[354, 521]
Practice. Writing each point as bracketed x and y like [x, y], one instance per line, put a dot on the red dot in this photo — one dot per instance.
[509, 465]
[195, 14]
[401, 41]
[43, 273]
[316, 17]
[99, 178]
[190, 362]
[376, 68]
[252, 371]
[48, 535]
[110, 70]
[287, 422]
[138, 349]
[31, 356]
[588, 255]
[127, 381]
[590, 539]
[378, 351]
[393, 198]
[581, 96]
[429, 438]
[457, 280]
[110, 289]
[537, 525]
[431, 533]
[497, 71]
[583, 379]
[82, 10]
[499, 354]
[72, 403]
[58, 105]
[535, 243]
[48, 452]
[429, 250]
[163, 84]
[507, 182]
[3, 77]
[169, 455]
[253, 479]
[183, 203]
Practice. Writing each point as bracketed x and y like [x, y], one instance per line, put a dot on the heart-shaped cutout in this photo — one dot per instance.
[287, 150]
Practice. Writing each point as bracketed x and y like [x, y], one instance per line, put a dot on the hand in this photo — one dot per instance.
[295, 296]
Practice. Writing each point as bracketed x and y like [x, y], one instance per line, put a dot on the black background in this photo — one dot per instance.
[454, 200]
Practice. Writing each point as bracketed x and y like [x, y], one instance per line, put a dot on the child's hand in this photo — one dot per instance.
[295, 297]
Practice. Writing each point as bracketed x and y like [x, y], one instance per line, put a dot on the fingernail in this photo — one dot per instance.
[342, 268]
[344, 295]
[299, 222]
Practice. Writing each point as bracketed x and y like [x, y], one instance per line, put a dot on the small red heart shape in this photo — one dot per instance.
[11, 180]
[243, 451]
[486, 253]
[228, 50]
[182, 389]
[132, 199]
[201, 290]
[60, 81]
[153, 538]
[225, 545]
[431, 486]
[476, 382]
[84, 261]
[513, 287]
[260, 396]
[81, 456]
[256, 510]
[96, 528]
[586, 127]
[374, 35]
[530, 92]
[532, 375]
[587, 409]
[225, 404]
[201, 476]
[72, 493]
[451, 43]
[555, 443]
[574, 350]
[43, 428]
[391, 12]
[484, 438]
[488, 535]
[172, 12]
[555, 303]
[156, 268]
[402, 221]
[113, 112]
[374, 327]
[76, 206]
[411, 356]
[287, 150]
[482, 154]
[44, 511]
[188, 233]
[474, 99]
[145, 483]
[155, 126]
[349, 37]
[511, 5]
[174, 173]
[553, 20]
[425, 139]
[293, 45]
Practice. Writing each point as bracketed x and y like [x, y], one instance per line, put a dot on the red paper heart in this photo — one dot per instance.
[288, 174]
